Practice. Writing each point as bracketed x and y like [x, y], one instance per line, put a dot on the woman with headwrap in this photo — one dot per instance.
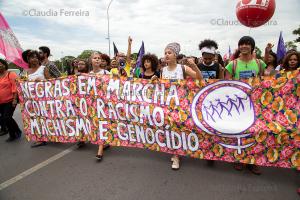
[178, 71]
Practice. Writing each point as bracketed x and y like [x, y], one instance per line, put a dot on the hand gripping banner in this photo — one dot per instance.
[251, 121]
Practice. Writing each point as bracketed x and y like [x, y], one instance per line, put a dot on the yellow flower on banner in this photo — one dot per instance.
[298, 91]
[93, 136]
[278, 104]
[218, 150]
[77, 101]
[198, 154]
[183, 116]
[91, 111]
[249, 160]
[278, 83]
[283, 138]
[266, 98]
[73, 88]
[191, 96]
[291, 116]
[296, 159]
[292, 74]
[272, 155]
[261, 136]
[255, 82]
[239, 156]
[95, 121]
[275, 127]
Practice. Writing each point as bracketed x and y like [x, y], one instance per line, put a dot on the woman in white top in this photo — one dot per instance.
[177, 71]
[36, 72]
[97, 68]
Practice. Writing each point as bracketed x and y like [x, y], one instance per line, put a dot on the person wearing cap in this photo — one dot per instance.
[52, 69]
[245, 66]
[179, 72]
[208, 67]
[8, 100]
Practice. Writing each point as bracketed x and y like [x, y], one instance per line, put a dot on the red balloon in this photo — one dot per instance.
[254, 13]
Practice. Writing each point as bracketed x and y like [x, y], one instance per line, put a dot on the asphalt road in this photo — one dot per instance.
[131, 174]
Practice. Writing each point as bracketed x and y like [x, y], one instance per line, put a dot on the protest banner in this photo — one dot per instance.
[251, 121]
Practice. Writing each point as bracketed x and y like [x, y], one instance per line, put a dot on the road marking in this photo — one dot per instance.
[36, 168]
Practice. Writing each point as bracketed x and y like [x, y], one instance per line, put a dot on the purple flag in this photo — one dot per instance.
[281, 51]
[140, 56]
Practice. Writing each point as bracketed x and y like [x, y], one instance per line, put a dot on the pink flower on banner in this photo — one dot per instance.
[271, 141]
[175, 116]
[254, 129]
[89, 101]
[190, 84]
[287, 152]
[166, 111]
[216, 139]
[61, 139]
[268, 115]
[209, 155]
[124, 143]
[105, 78]
[257, 108]
[140, 145]
[229, 151]
[261, 160]
[281, 119]
[164, 149]
[180, 152]
[184, 104]
[284, 164]
[181, 93]
[261, 125]
[205, 144]
[287, 88]
[189, 124]
[256, 94]
[258, 149]
[290, 101]
[296, 143]
[297, 106]
[227, 158]
[266, 84]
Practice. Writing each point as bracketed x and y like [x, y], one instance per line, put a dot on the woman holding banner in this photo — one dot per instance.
[36, 72]
[178, 71]
[99, 69]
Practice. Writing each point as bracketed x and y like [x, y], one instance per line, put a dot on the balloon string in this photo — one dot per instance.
[249, 31]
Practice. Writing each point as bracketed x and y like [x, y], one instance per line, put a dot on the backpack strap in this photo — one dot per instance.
[183, 71]
[261, 71]
[234, 64]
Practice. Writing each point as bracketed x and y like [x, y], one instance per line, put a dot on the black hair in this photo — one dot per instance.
[153, 59]
[220, 60]
[208, 43]
[45, 50]
[4, 62]
[274, 63]
[247, 40]
[180, 56]
[32, 53]
[106, 58]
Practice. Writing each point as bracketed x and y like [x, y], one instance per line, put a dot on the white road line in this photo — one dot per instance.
[35, 168]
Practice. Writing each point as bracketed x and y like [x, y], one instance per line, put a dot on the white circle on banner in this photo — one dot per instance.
[227, 110]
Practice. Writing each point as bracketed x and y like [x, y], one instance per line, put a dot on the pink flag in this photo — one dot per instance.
[9, 45]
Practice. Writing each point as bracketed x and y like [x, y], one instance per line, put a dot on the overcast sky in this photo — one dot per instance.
[156, 22]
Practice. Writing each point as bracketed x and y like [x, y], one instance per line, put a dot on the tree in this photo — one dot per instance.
[297, 33]
[290, 45]
[85, 54]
